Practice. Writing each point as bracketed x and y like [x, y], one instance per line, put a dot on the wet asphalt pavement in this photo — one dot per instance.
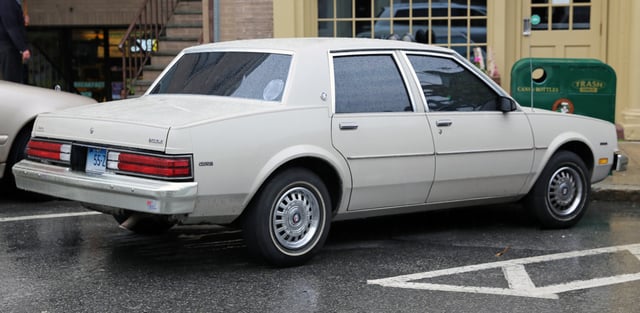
[85, 263]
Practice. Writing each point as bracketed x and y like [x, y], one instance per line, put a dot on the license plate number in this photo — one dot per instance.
[96, 160]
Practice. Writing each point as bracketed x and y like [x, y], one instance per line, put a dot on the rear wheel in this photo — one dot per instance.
[145, 224]
[560, 196]
[289, 220]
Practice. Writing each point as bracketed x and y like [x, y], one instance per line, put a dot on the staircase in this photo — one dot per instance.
[183, 30]
[177, 28]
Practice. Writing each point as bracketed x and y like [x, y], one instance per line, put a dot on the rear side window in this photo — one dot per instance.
[369, 83]
[252, 75]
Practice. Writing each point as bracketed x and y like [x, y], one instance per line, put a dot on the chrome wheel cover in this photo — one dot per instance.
[565, 192]
[295, 218]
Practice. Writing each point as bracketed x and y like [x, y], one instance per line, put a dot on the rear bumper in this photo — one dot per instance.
[620, 162]
[117, 191]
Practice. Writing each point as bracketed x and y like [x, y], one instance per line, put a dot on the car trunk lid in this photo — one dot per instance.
[142, 123]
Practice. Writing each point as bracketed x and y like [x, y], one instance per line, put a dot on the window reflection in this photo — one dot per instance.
[581, 17]
[249, 75]
[560, 18]
[447, 86]
[457, 24]
[361, 87]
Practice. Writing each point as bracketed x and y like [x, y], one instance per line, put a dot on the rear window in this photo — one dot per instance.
[251, 75]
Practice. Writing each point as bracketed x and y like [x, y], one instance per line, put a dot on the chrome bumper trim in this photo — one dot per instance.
[620, 162]
[118, 191]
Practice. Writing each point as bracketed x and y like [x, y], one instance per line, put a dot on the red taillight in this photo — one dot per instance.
[49, 150]
[170, 167]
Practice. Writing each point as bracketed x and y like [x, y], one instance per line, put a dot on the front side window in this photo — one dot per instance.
[252, 75]
[448, 86]
[369, 83]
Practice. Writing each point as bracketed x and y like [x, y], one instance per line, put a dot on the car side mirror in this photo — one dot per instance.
[506, 104]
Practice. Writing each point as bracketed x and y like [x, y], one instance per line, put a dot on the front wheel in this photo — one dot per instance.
[289, 220]
[560, 196]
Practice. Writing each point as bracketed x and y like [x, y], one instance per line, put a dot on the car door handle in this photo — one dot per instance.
[348, 125]
[444, 123]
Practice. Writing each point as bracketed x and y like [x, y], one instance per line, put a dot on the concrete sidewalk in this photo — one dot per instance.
[622, 186]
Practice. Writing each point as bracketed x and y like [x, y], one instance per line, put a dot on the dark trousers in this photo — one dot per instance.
[10, 63]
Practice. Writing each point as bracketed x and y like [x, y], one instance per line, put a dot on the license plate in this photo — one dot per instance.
[96, 160]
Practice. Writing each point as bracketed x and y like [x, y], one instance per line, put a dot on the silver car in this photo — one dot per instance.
[283, 136]
[18, 109]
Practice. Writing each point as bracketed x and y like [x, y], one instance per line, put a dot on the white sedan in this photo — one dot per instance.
[19, 106]
[283, 136]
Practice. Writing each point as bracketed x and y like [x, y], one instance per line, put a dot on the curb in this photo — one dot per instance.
[615, 193]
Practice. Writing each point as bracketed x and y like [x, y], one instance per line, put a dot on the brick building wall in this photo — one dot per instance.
[245, 19]
[82, 12]
[239, 19]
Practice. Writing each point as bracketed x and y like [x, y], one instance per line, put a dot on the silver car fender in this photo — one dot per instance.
[298, 152]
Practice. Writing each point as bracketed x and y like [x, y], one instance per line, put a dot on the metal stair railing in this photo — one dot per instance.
[43, 72]
[141, 39]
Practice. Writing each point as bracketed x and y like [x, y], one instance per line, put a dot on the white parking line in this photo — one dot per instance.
[520, 284]
[45, 216]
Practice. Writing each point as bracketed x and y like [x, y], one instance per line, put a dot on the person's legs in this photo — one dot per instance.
[10, 65]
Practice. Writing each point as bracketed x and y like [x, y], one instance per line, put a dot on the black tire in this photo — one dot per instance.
[289, 219]
[561, 195]
[144, 224]
[17, 153]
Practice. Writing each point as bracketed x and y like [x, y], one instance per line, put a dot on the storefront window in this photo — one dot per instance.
[457, 24]
[88, 63]
[80, 60]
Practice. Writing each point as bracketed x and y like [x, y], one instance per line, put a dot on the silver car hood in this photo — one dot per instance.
[143, 122]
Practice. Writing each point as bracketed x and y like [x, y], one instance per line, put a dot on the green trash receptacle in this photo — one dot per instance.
[579, 86]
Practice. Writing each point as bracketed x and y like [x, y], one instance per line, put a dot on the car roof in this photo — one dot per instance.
[294, 45]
